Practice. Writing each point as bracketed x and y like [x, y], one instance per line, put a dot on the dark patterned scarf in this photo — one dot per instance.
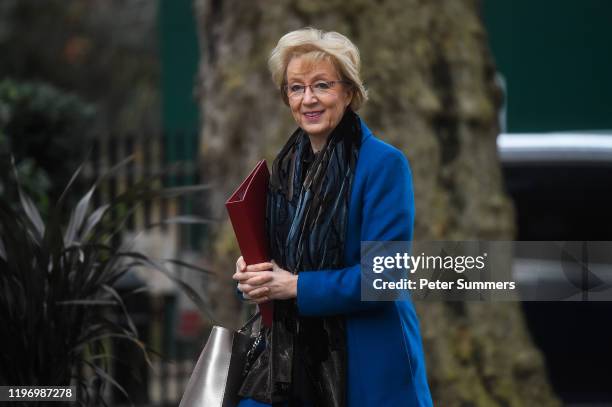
[307, 215]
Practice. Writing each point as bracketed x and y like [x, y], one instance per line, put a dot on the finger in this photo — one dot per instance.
[243, 277]
[238, 275]
[241, 264]
[260, 300]
[259, 292]
[260, 267]
[259, 279]
[245, 288]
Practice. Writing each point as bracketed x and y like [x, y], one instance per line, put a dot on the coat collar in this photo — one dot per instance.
[365, 131]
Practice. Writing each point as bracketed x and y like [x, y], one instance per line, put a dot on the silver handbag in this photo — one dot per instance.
[220, 370]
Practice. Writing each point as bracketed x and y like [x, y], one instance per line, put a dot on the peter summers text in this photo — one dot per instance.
[460, 284]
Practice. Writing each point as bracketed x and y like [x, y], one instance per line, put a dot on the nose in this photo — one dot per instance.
[309, 96]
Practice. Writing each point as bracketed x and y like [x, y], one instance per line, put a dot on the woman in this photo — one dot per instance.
[332, 186]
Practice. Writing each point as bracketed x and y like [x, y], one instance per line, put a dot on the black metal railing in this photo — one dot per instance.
[167, 160]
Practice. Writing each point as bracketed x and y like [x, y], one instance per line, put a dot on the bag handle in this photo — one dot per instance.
[250, 355]
[249, 322]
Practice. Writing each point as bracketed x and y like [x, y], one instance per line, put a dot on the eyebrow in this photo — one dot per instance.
[318, 76]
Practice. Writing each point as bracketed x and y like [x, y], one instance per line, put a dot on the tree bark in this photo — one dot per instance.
[431, 81]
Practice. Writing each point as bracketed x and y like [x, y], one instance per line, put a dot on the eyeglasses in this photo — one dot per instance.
[319, 88]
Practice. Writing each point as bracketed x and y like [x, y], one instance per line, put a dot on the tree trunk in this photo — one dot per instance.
[431, 81]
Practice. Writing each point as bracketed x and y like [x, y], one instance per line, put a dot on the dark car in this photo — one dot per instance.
[561, 185]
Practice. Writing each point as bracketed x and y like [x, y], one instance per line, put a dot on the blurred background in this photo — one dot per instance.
[502, 106]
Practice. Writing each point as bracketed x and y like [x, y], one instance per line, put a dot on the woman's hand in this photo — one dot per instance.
[256, 294]
[263, 282]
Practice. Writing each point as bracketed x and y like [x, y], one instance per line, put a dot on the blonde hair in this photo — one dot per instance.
[316, 45]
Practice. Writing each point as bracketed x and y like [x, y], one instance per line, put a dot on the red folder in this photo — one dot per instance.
[247, 212]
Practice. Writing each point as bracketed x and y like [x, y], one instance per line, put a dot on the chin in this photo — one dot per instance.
[315, 130]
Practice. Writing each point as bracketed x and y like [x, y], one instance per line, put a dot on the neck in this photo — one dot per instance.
[318, 142]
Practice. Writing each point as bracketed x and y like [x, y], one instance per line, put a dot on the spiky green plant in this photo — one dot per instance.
[57, 287]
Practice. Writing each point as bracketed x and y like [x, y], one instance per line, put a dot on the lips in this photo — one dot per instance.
[314, 115]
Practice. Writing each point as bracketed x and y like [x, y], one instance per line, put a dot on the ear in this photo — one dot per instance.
[349, 96]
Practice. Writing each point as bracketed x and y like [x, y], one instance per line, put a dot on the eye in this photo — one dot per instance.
[296, 88]
[322, 85]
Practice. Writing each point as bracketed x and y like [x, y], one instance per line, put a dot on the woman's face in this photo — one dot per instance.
[317, 113]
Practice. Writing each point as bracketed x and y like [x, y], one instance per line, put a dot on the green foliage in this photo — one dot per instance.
[57, 294]
[42, 128]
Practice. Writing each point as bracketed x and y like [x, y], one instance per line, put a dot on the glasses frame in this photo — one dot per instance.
[300, 95]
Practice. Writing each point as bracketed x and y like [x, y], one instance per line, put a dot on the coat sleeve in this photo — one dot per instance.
[388, 215]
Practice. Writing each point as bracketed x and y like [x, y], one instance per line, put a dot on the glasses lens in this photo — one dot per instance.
[318, 88]
[322, 87]
[295, 91]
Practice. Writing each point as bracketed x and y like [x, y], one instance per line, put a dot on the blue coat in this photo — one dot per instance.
[385, 365]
